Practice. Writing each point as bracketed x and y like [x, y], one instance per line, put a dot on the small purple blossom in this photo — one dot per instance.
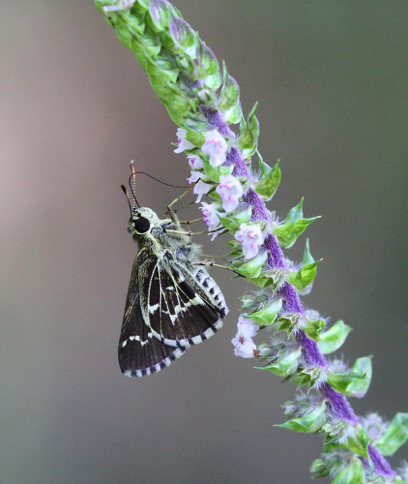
[251, 238]
[195, 162]
[200, 188]
[374, 425]
[210, 217]
[182, 142]
[230, 191]
[244, 346]
[215, 146]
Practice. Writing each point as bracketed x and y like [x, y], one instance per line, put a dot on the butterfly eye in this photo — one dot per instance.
[142, 225]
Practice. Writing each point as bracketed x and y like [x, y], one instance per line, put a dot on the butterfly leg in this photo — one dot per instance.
[212, 264]
[178, 198]
[188, 222]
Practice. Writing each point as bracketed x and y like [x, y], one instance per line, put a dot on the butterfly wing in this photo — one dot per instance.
[139, 352]
[177, 304]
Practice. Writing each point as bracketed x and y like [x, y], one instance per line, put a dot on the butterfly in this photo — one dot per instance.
[172, 302]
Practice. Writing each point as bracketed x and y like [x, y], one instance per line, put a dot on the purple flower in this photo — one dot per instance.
[244, 346]
[251, 238]
[182, 142]
[210, 217]
[230, 191]
[374, 425]
[215, 146]
[200, 188]
[196, 163]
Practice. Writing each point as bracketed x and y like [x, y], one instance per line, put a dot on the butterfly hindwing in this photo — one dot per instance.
[177, 307]
[140, 352]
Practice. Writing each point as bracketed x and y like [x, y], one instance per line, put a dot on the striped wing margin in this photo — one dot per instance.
[178, 309]
[139, 352]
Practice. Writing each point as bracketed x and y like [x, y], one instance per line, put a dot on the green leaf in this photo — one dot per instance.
[181, 32]
[356, 382]
[294, 225]
[352, 474]
[266, 315]
[268, 184]
[285, 365]
[395, 435]
[312, 422]
[304, 276]
[233, 222]
[253, 267]
[333, 338]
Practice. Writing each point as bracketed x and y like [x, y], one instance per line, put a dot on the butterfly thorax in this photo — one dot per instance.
[157, 236]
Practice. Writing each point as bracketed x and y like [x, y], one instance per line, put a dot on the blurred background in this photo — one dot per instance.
[75, 108]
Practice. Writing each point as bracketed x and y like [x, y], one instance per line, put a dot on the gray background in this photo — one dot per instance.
[75, 108]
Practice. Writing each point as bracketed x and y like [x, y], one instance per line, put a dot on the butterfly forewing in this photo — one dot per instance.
[140, 353]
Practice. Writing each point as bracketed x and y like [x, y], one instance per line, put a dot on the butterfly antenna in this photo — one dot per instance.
[156, 179]
[132, 183]
[127, 198]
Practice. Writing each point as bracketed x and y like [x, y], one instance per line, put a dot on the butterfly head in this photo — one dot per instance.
[142, 221]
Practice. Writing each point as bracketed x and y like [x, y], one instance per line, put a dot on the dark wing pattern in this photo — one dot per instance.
[140, 353]
[178, 309]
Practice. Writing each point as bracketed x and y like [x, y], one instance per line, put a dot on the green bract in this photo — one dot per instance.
[358, 442]
[356, 382]
[232, 222]
[311, 422]
[333, 338]
[313, 329]
[288, 322]
[294, 225]
[269, 182]
[248, 134]
[285, 363]
[304, 276]
[395, 435]
[266, 315]
[253, 267]
[229, 94]
[352, 474]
